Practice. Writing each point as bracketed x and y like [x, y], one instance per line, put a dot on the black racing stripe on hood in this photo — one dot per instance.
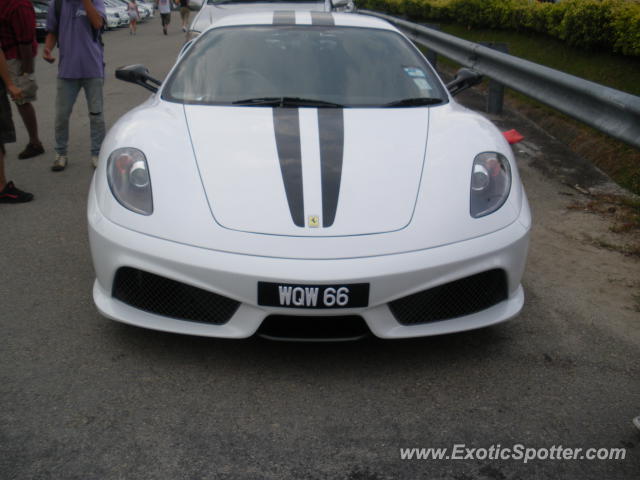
[284, 17]
[331, 126]
[322, 18]
[286, 124]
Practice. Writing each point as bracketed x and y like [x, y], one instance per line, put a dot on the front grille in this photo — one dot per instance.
[456, 299]
[162, 296]
[291, 327]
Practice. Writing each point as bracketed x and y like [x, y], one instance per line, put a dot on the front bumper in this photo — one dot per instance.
[236, 276]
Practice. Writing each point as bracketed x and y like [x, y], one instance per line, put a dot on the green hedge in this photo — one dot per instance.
[589, 24]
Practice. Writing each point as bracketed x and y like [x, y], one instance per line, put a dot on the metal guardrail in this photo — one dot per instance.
[611, 111]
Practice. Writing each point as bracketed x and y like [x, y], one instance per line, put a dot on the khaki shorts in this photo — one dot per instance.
[27, 83]
[184, 13]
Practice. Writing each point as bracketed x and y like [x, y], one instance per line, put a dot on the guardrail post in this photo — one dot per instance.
[431, 54]
[495, 98]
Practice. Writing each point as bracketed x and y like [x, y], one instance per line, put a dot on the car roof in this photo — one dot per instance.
[303, 18]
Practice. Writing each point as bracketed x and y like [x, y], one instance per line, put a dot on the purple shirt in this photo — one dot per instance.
[81, 53]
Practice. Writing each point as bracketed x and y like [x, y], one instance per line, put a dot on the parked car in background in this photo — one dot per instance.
[113, 19]
[149, 3]
[146, 11]
[41, 9]
[117, 7]
[213, 10]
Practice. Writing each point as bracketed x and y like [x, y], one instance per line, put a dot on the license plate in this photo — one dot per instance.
[352, 295]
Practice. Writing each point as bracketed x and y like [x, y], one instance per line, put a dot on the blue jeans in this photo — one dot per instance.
[65, 99]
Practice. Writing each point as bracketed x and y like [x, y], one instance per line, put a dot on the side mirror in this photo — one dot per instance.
[465, 78]
[195, 5]
[138, 74]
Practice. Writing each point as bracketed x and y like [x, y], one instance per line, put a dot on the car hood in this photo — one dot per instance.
[308, 171]
[210, 13]
[184, 201]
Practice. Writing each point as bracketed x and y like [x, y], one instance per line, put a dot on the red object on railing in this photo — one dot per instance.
[513, 136]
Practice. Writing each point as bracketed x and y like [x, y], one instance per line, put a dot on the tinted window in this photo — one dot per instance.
[344, 65]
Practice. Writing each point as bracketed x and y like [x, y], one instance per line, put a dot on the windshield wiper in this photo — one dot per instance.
[413, 102]
[287, 102]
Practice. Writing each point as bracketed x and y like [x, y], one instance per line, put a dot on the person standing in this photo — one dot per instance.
[184, 14]
[18, 37]
[76, 27]
[8, 191]
[164, 7]
[134, 16]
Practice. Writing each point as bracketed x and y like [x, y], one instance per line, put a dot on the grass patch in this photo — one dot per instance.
[623, 209]
[627, 250]
[636, 299]
[617, 71]
[624, 215]
[618, 160]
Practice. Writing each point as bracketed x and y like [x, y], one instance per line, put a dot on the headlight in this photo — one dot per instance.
[129, 181]
[490, 183]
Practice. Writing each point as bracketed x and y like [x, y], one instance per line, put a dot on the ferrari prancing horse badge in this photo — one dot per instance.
[314, 221]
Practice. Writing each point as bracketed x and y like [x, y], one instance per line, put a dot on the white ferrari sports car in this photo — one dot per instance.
[306, 175]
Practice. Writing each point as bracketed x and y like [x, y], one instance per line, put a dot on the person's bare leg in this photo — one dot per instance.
[28, 114]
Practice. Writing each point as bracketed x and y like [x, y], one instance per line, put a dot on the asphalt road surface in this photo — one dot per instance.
[82, 397]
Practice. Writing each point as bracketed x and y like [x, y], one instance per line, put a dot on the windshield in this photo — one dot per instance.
[317, 65]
